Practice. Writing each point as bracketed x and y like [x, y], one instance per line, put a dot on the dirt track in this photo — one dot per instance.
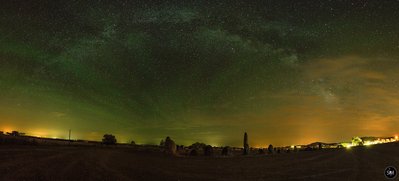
[91, 163]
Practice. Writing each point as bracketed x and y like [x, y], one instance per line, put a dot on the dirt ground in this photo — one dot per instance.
[99, 163]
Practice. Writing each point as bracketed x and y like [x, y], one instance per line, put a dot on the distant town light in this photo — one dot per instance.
[368, 143]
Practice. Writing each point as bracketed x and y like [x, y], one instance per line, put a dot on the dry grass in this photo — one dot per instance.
[110, 163]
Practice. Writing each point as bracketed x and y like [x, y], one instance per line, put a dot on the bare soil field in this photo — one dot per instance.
[107, 163]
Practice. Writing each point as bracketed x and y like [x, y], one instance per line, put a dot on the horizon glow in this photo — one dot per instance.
[285, 73]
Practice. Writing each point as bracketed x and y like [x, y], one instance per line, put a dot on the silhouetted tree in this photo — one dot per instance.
[198, 146]
[15, 133]
[226, 150]
[1, 132]
[261, 151]
[208, 150]
[356, 141]
[162, 143]
[109, 139]
[170, 146]
[133, 143]
[270, 149]
[246, 146]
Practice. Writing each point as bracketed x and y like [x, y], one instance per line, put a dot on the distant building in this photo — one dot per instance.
[368, 140]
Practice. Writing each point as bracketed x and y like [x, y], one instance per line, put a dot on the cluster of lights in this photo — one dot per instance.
[297, 146]
[374, 142]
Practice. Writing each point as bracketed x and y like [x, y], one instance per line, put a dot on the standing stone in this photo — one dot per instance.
[208, 150]
[246, 146]
[225, 151]
[170, 146]
[270, 149]
[193, 152]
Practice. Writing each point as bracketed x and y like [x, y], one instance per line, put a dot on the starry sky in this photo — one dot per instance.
[286, 72]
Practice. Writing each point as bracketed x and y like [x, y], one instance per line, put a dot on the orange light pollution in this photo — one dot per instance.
[200, 73]
[324, 112]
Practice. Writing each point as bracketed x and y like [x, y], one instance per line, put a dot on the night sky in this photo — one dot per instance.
[286, 72]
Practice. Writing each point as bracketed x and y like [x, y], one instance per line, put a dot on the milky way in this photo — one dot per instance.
[285, 72]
